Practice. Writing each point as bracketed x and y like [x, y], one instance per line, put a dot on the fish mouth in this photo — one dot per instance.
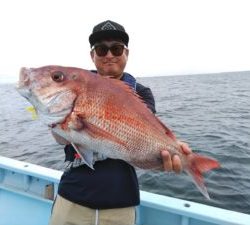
[24, 82]
[24, 79]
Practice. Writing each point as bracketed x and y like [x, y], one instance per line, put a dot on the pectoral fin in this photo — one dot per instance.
[78, 122]
[86, 155]
[59, 139]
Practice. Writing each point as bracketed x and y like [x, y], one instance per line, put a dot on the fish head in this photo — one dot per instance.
[52, 90]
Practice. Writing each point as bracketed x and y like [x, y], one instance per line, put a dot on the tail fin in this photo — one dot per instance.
[197, 165]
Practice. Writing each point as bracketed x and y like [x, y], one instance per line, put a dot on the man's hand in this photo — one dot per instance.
[174, 163]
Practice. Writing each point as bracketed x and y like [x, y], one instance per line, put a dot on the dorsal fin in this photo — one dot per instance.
[121, 84]
[168, 132]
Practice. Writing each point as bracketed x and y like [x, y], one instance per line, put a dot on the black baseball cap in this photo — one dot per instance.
[108, 29]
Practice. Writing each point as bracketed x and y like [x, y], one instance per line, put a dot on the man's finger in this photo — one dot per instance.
[176, 161]
[167, 162]
[185, 148]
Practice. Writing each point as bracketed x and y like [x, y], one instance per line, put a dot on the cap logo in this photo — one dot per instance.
[108, 26]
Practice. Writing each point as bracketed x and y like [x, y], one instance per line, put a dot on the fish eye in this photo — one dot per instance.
[57, 76]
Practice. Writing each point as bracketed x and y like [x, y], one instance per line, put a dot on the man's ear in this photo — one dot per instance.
[127, 52]
[92, 55]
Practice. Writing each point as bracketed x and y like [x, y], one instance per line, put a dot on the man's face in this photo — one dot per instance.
[110, 58]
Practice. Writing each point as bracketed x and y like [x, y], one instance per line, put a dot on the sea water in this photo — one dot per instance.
[210, 112]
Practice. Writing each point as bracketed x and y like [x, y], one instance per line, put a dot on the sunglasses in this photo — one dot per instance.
[115, 49]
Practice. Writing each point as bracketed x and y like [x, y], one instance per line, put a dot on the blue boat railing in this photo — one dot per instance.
[27, 192]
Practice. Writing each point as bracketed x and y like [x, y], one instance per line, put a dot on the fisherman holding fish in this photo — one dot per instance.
[106, 121]
[110, 193]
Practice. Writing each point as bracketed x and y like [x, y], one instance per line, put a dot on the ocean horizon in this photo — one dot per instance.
[10, 79]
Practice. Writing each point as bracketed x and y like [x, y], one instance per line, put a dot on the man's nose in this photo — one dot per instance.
[109, 54]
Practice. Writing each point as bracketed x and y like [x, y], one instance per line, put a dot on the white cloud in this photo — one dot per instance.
[166, 37]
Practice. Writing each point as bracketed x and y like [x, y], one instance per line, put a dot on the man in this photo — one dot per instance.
[107, 195]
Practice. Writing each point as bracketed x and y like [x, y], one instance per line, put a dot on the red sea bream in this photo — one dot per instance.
[104, 115]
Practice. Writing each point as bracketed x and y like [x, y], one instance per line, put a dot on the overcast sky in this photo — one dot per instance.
[166, 37]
